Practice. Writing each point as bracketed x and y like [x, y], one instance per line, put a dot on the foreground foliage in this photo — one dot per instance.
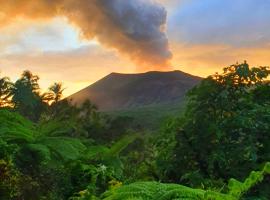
[223, 133]
[46, 161]
[161, 191]
[52, 149]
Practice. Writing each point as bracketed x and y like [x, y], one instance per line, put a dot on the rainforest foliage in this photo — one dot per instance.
[218, 148]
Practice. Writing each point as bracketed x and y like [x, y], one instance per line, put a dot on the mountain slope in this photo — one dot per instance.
[127, 91]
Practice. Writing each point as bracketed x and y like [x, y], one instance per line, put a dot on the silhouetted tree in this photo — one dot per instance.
[26, 96]
[55, 93]
[5, 91]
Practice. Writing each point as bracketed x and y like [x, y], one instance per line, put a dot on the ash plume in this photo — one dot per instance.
[135, 28]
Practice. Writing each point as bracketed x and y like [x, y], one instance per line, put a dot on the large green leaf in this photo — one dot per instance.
[64, 147]
[15, 128]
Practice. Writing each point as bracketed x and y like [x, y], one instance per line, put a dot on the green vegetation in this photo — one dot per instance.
[155, 190]
[218, 148]
[150, 117]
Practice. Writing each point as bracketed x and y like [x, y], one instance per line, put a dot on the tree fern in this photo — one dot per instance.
[52, 148]
[42, 150]
[103, 152]
[55, 127]
[110, 166]
[14, 127]
[63, 147]
[110, 156]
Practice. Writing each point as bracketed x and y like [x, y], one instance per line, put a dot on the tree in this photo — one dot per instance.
[55, 93]
[5, 91]
[224, 131]
[26, 96]
[91, 120]
[88, 109]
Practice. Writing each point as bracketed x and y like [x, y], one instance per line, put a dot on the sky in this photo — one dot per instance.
[77, 42]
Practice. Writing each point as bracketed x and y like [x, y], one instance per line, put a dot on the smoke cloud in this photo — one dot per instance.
[135, 28]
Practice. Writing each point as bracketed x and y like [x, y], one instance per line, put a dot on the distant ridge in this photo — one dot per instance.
[123, 91]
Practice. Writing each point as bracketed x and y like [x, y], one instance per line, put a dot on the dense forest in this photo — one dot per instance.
[218, 148]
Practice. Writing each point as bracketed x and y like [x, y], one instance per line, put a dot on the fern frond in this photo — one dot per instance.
[15, 128]
[54, 128]
[43, 150]
[64, 147]
[96, 152]
[120, 145]
[101, 152]
[160, 191]
[238, 188]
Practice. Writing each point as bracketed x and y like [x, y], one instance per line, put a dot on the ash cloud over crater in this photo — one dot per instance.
[136, 28]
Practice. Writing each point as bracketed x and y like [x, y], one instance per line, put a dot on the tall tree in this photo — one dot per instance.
[26, 96]
[55, 93]
[5, 91]
[224, 131]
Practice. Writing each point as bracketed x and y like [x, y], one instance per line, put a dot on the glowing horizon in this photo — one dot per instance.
[203, 37]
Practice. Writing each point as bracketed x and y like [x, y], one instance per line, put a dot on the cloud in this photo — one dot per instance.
[135, 28]
[240, 23]
[30, 35]
[76, 68]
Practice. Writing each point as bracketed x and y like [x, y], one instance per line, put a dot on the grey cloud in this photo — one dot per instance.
[135, 28]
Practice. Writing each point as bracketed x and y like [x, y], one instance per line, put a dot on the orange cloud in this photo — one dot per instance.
[203, 60]
[134, 28]
[75, 68]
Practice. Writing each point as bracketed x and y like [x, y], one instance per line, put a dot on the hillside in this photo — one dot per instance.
[117, 92]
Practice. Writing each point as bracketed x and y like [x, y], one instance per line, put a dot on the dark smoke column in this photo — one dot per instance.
[135, 28]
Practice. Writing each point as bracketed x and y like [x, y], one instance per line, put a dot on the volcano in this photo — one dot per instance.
[128, 91]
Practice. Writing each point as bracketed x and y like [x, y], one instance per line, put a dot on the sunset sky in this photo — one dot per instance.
[77, 43]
